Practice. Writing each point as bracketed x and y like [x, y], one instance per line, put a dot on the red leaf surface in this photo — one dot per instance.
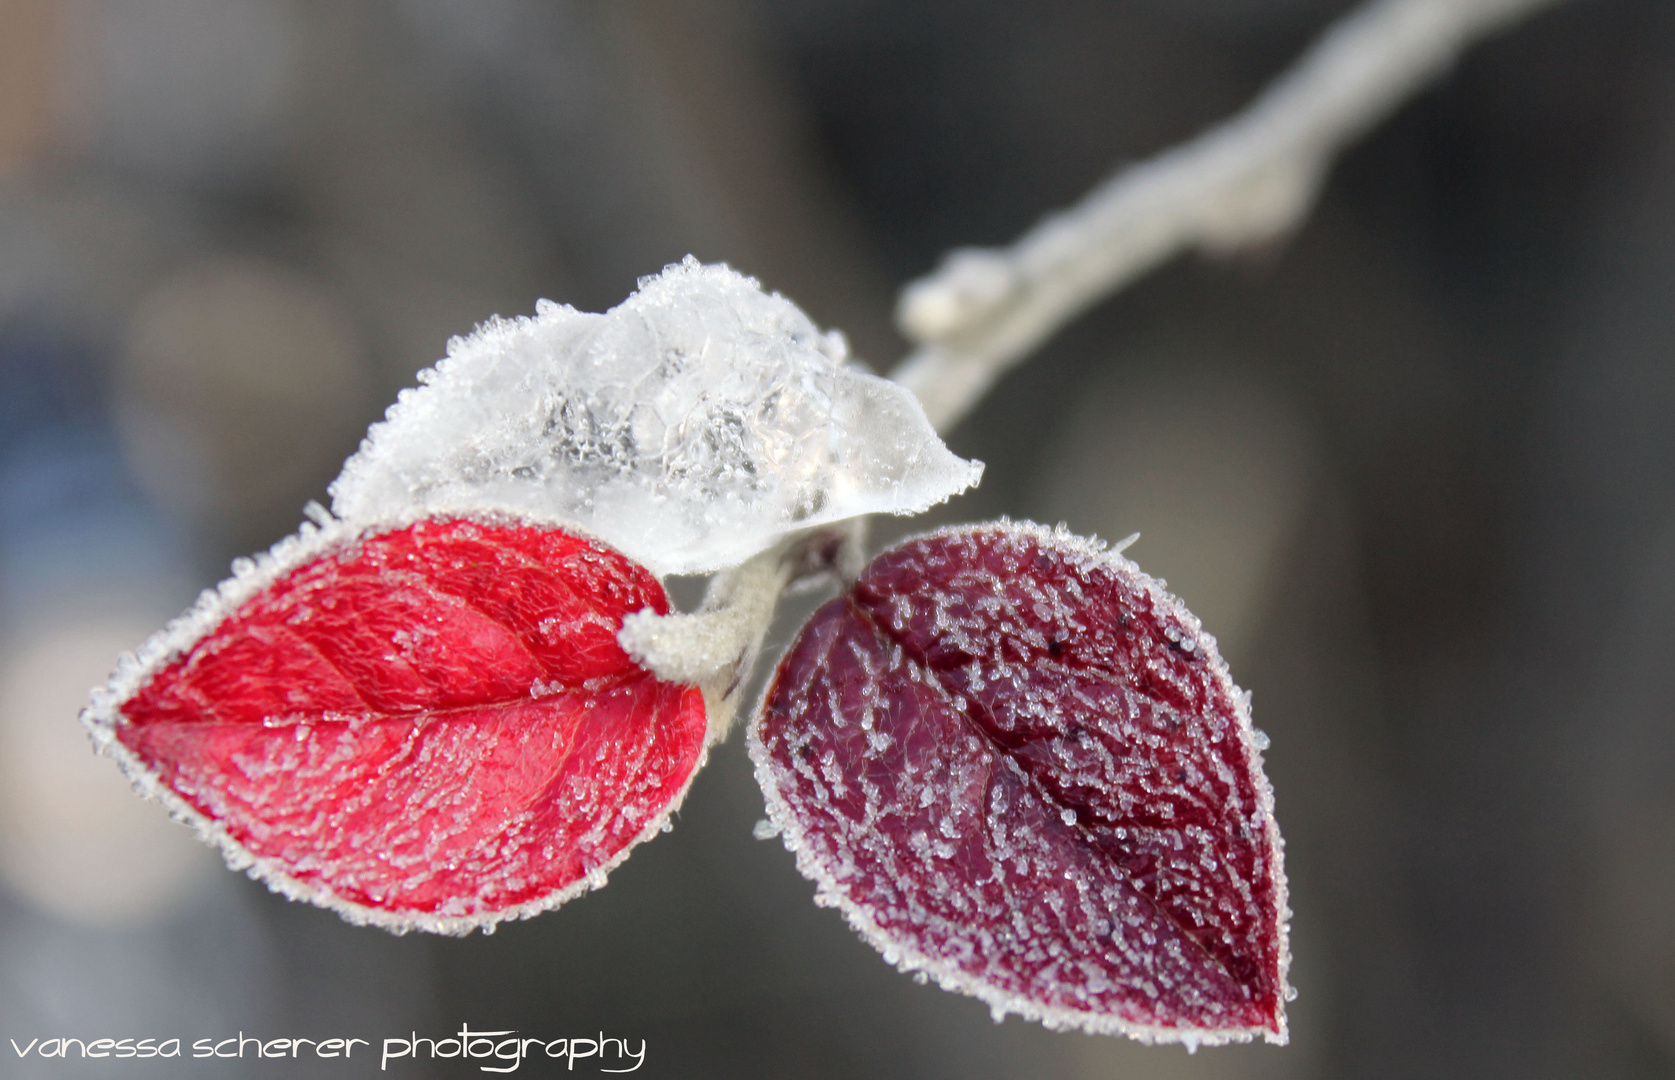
[1019, 766]
[432, 727]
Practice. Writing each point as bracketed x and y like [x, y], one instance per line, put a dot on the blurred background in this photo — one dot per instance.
[1415, 468]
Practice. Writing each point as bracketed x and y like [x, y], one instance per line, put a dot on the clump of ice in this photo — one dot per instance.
[690, 427]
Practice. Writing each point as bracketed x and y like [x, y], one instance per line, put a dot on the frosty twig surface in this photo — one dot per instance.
[1247, 180]
[1244, 181]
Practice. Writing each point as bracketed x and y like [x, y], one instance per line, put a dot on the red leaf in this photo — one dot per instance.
[433, 727]
[1017, 765]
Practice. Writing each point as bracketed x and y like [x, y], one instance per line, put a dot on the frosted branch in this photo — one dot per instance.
[1245, 181]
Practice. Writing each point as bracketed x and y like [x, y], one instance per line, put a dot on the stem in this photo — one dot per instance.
[715, 647]
[1248, 180]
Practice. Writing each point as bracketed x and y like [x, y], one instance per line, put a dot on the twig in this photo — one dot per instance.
[1247, 180]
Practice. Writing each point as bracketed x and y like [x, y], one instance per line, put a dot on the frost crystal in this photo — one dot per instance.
[1019, 768]
[429, 728]
[690, 427]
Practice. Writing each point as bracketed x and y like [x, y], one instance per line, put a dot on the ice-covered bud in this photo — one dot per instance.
[690, 427]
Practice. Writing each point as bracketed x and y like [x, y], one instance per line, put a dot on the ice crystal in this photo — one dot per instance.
[1019, 766]
[431, 727]
[689, 427]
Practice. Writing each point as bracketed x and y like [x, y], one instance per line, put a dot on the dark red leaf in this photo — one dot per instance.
[433, 727]
[1019, 766]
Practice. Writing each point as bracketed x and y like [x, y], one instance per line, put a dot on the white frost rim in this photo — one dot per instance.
[829, 892]
[250, 576]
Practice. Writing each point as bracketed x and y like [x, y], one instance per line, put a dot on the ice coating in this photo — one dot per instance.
[430, 727]
[1019, 766]
[689, 427]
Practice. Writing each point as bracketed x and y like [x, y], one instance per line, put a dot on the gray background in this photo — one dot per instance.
[1415, 467]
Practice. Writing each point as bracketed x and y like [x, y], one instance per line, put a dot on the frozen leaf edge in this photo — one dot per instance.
[911, 960]
[135, 670]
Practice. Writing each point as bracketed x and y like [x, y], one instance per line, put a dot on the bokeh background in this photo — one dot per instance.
[1415, 468]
